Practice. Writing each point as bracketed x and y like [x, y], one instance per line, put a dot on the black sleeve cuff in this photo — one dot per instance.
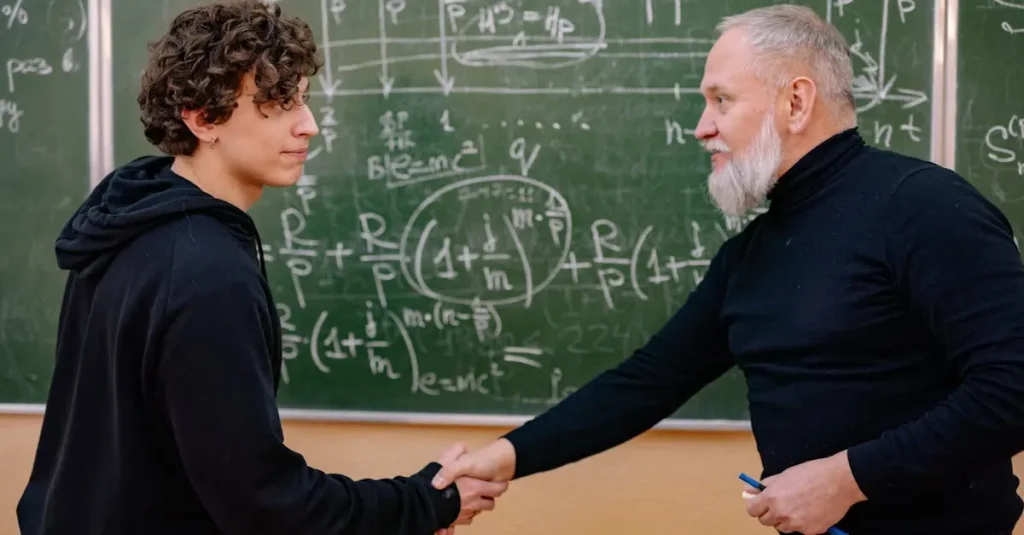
[870, 470]
[520, 438]
[447, 502]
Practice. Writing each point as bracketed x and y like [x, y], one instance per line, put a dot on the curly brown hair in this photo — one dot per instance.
[201, 60]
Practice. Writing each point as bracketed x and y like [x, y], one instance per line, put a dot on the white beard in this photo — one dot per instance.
[744, 181]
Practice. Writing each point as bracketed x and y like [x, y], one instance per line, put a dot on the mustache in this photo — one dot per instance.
[714, 145]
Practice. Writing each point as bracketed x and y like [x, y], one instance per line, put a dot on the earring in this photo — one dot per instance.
[213, 142]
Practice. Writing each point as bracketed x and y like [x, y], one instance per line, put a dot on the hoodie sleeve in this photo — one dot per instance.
[216, 385]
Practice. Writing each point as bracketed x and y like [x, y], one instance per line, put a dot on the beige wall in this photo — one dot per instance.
[662, 482]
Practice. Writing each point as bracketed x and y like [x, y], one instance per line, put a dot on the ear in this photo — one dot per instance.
[203, 130]
[800, 95]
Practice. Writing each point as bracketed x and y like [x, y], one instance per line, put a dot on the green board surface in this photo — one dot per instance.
[44, 174]
[990, 103]
[506, 198]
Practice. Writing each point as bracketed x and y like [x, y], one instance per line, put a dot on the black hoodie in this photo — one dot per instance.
[161, 417]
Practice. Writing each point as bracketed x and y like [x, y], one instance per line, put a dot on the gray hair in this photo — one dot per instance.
[785, 33]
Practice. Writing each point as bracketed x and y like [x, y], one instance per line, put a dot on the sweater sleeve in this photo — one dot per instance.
[954, 260]
[688, 352]
[216, 385]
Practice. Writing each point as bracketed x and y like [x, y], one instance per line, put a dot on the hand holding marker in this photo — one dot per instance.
[757, 485]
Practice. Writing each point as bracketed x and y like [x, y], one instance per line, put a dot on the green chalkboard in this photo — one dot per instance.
[506, 197]
[989, 133]
[44, 174]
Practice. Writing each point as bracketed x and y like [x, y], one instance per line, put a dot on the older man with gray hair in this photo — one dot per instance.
[876, 310]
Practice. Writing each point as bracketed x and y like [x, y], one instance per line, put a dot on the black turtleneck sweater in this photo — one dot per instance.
[876, 307]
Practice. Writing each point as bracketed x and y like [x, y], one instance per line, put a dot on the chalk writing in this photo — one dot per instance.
[26, 67]
[1005, 143]
[10, 116]
[445, 238]
[14, 13]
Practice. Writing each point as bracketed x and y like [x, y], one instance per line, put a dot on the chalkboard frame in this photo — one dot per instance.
[942, 145]
[948, 111]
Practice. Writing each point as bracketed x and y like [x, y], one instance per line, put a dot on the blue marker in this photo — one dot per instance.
[757, 485]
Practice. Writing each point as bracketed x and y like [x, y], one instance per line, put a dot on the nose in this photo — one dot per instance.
[706, 128]
[306, 125]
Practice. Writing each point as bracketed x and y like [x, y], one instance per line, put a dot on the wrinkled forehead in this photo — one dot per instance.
[728, 62]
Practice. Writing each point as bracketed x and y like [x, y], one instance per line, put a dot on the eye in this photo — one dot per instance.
[300, 99]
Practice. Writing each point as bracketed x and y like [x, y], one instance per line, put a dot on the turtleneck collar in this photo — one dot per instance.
[814, 170]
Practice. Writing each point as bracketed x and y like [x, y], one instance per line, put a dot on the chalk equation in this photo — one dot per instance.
[21, 22]
[1005, 143]
[1004, 151]
[476, 248]
[372, 350]
[501, 196]
[398, 165]
[496, 256]
[559, 35]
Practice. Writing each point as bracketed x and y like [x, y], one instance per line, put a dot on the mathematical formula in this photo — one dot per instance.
[547, 36]
[475, 248]
[483, 254]
[1005, 143]
[470, 214]
[65, 19]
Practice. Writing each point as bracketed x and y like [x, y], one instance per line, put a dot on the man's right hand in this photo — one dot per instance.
[477, 493]
[494, 462]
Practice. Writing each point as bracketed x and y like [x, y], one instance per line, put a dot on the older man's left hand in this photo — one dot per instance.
[808, 498]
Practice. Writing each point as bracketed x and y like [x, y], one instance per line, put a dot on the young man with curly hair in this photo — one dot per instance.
[161, 417]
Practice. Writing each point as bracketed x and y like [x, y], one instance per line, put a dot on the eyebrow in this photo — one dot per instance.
[713, 88]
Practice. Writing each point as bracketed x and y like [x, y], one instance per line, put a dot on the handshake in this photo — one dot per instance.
[481, 476]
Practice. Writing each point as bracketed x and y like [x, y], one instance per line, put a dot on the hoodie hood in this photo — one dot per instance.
[131, 200]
